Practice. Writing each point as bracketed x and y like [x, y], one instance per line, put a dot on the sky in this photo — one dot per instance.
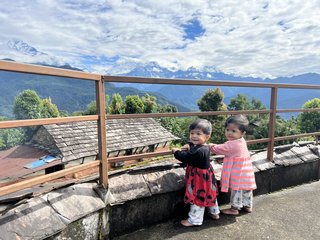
[263, 38]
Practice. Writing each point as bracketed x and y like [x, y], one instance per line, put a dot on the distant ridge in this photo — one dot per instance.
[184, 97]
[67, 94]
[188, 95]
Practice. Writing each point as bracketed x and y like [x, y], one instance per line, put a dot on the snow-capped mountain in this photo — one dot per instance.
[19, 49]
[184, 95]
[188, 95]
[23, 47]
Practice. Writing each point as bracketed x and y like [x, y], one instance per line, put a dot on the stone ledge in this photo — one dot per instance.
[47, 215]
[293, 165]
[142, 196]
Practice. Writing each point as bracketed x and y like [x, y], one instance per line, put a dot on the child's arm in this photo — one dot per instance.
[222, 149]
[175, 149]
[186, 147]
[193, 158]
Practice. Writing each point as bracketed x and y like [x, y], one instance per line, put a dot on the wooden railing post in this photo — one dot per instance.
[102, 138]
[272, 122]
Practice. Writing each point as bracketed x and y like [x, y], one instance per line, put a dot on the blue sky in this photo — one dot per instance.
[263, 38]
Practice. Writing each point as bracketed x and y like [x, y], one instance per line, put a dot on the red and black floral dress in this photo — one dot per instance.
[201, 186]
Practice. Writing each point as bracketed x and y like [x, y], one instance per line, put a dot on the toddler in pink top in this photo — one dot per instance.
[237, 171]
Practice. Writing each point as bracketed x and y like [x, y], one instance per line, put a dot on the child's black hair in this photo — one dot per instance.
[240, 120]
[203, 125]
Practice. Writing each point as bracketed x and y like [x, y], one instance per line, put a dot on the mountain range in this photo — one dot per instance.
[71, 95]
[188, 95]
[68, 94]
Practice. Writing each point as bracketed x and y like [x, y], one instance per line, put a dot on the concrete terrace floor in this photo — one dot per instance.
[292, 213]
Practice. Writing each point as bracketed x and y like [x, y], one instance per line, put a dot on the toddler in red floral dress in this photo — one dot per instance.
[201, 188]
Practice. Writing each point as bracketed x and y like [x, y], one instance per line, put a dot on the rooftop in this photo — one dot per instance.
[80, 139]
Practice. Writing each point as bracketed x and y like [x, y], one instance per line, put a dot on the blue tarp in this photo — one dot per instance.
[42, 161]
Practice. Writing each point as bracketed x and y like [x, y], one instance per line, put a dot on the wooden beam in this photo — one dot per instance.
[184, 114]
[49, 71]
[102, 138]
[298, 110]
[272, 122]
[214, 82]
[297, 136]
[45, 121]
[138, 156]
[45, 178]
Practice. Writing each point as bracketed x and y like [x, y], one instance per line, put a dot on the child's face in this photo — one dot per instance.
[198, 137]
[233, 132]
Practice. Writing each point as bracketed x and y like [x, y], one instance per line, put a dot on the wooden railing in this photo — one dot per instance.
[100, 117]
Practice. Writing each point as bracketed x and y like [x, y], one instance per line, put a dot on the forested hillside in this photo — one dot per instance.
[68, 94]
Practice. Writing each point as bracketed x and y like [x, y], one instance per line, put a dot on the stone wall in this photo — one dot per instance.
[140, 197]
[74, 212]
[147, 196]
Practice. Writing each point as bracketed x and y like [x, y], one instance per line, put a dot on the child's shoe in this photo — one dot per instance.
[214, 216]
[247, 209]
[230, 211]
[186, 223]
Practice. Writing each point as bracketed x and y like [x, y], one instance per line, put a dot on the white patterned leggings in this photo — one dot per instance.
[241, 198]
[196, 213]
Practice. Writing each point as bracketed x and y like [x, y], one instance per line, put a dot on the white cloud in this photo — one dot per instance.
[247, 38]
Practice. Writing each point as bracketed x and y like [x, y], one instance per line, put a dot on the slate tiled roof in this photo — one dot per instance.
[79, 139]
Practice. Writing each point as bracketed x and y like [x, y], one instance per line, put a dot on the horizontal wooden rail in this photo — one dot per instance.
[193, 82]
[185, 114]
[260, 140]
[163, 153]
[45, 178]
[208, 113]
[298, 110]
[297, 136]
[139, 156]
[50, 71]
[45, 121]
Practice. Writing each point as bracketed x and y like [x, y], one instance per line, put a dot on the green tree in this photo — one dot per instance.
[256, 104]
[117, 106]
[27, 105]
[241, 102]
[48, 109]
[63, 113]
[310, 121]
[180, 128]
[166, 108]
[92, 108]
[10, 137]
[212, 100]
[150, 104]
[133, 104]
[283, 128]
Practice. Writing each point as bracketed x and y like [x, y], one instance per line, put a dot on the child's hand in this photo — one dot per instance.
[174, 150]
[186, 147]
[211, 145]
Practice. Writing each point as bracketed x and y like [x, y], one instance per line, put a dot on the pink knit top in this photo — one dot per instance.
[237, 171]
